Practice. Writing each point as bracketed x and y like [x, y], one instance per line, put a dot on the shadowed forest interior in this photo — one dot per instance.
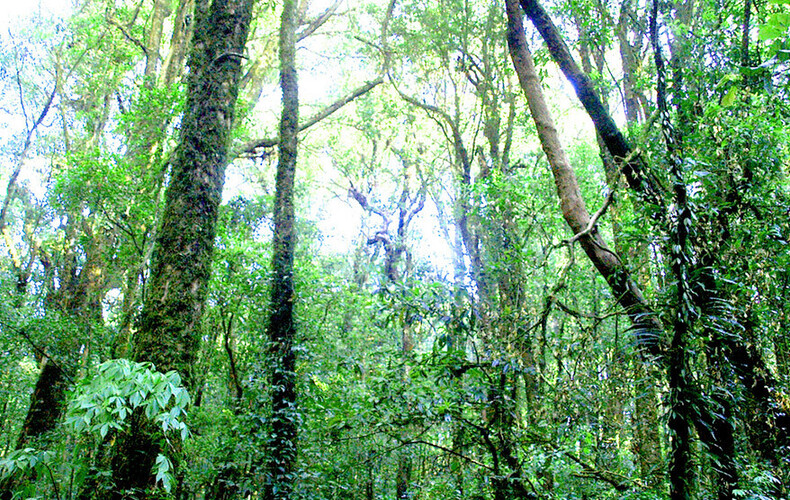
[395, 249]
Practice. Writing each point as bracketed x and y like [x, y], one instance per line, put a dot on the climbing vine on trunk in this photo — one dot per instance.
[282, 330]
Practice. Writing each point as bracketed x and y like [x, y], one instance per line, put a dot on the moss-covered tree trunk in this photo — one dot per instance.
[168, 332]
[281, 330]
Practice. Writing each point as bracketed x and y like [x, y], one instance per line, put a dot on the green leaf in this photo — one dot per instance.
[769, 32]
[163, 475]
[162, 463]
[729, 98]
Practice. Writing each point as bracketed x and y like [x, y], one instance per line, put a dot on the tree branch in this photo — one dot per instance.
[593, 221]
[319, 21]
[633, 169]
[22, 333]
[607, 477]
[451, 452]
[255, 149]
[11, 188]
[114, 22]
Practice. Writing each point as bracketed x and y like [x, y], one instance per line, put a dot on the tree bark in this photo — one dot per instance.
[282, 330]
[615, 141]
[154, 41]
[168, 332]
[173, 64]
[647, 328]
[747, 15]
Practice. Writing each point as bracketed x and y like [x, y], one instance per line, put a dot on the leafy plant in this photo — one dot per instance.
[101, 402]
[120, 387]
[28, 461]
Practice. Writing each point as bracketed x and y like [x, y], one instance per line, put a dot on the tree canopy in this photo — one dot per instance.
[395, 249]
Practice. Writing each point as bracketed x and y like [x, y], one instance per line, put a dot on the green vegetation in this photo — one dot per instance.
[505, 250]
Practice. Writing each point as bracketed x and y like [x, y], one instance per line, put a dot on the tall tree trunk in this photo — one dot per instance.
[79, 299]
[615, 141]
[681, 401]
[173, 65]
[281, 330]
[647, 433]
[168, 334]
[630, 27]
[573, 207]
[394, 251]
[153, 41]
[744, 359]
[745, 35]
[647, 328]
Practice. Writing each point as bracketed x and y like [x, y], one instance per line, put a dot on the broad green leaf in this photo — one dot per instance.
[729, 98]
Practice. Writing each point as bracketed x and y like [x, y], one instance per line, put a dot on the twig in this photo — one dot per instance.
[251, 149]
[115, 22]
[593, 221]
[228, 55]
[451, 452]
[10, 190]
[318, 22]
[38, 349]
[592, 472]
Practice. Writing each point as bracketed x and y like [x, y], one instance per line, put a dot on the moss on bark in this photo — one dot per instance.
[168, 333]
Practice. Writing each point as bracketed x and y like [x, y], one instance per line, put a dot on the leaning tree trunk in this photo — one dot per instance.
[284, 420]
[647, 328]
[754, 375]
[630, 162]
[168, 332]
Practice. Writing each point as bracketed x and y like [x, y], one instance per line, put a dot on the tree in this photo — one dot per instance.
[282, 447]
[78, 259]
[168, 333]
[710, 417]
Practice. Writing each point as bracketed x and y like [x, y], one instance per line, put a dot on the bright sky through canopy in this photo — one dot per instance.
[11, 10]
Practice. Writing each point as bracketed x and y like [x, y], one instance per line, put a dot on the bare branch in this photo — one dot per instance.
[366, 206]
[115, 22]
[253, 149]
[22, 333]
[257, 148]
[11, 188]
[451, 452]
[319, 21]
[593, 221]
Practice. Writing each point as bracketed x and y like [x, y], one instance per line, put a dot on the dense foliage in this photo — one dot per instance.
[453, 335]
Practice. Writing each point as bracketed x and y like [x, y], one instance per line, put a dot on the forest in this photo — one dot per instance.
[395, 249]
